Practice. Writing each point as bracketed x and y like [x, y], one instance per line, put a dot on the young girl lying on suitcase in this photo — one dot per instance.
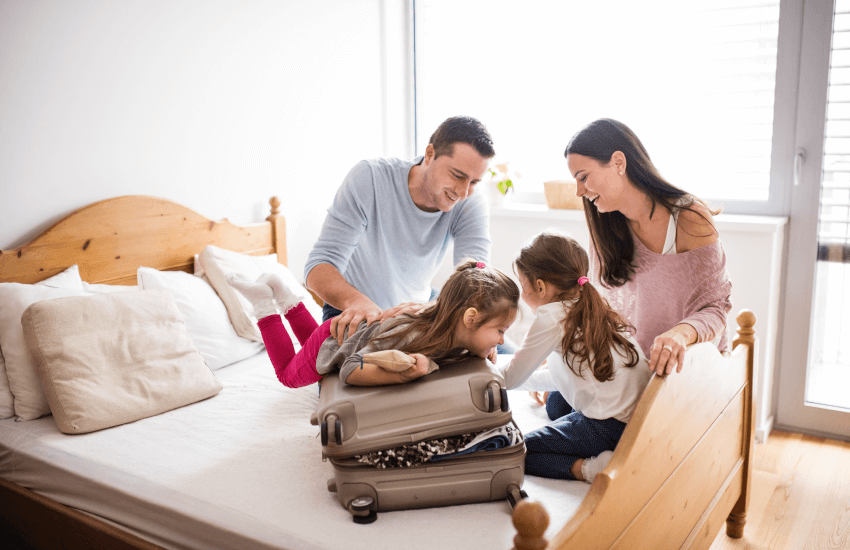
[470, 316]
[594, 368]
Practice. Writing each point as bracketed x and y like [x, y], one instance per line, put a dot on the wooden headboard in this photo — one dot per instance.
[108, 242]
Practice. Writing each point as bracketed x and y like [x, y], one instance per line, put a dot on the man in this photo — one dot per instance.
[387, 231]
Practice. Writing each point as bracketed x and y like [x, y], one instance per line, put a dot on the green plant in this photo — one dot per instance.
[503, 178]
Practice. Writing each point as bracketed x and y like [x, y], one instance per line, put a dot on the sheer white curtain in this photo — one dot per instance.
[693, 79]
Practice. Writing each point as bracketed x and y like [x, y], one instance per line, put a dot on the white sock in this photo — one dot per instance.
[283, 293]
[594, 465]
[259, 294]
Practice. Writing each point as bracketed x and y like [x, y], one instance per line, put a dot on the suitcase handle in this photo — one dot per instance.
[490, 397]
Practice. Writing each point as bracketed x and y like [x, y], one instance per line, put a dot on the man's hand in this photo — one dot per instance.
[406, 307]
[351, 317]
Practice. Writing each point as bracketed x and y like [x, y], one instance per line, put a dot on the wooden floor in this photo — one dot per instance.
[801, 496]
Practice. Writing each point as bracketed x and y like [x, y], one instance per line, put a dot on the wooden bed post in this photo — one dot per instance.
[530, 520]
[746, 335]
[278, 230]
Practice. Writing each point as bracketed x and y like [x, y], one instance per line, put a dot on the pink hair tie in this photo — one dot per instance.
[480, 265]
[582, 280]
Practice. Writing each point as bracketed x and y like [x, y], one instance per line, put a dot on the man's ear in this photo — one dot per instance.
[469, 317]
[619, 161]
[429, 155]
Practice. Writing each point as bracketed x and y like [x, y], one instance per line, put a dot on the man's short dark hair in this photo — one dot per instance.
[462, 129]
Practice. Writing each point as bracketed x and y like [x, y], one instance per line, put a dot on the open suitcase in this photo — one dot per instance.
[457, 399]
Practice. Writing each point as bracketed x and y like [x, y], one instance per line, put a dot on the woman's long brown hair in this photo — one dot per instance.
[486, 289]
[609, 231]
[591, 327]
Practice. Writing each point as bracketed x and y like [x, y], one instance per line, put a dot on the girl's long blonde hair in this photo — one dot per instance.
[472, 284]
[591, 326]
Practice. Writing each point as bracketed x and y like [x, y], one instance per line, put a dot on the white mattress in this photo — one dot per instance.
[243, 470]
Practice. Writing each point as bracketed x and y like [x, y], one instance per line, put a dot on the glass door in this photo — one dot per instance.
[814, 389]
[828, 372]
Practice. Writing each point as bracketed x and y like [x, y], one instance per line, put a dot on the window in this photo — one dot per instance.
[694, 80]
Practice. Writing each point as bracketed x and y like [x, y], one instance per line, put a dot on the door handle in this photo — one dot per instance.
[799, 159]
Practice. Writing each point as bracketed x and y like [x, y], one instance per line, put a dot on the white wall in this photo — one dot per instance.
[214, 104]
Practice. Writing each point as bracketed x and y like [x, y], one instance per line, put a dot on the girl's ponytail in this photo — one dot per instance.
[591, 327]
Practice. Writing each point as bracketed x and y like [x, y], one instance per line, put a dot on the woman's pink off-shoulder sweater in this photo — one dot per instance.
[669, 289]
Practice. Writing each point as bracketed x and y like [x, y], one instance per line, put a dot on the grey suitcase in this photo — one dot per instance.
[461, 398]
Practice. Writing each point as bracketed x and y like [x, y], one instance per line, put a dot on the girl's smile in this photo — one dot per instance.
[482, 340]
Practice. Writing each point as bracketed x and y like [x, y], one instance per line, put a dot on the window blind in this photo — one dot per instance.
[834, 215]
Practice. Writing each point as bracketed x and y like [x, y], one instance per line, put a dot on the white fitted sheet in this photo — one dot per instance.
[243, 470]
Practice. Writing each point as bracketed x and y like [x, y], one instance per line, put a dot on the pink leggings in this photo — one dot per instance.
[294, 370]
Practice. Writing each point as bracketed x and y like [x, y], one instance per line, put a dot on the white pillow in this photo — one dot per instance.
[204, 314]
[105, 289]
[216, 263]
[23, 395]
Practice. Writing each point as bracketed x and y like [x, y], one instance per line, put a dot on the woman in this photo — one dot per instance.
[654, 250]
[654, 253]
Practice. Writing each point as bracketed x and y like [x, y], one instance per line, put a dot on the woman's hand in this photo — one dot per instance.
[668, 349]
[540, 397]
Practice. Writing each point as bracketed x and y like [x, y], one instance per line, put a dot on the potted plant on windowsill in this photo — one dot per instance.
[502, 181]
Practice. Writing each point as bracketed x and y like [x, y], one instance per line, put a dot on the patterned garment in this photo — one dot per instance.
[415, 454]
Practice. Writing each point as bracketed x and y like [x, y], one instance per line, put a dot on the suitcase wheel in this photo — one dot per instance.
[368, 518]
[361, 510]
[491, 404]
[505, 406]
[515, 495]
[324, 433]
[338, 431]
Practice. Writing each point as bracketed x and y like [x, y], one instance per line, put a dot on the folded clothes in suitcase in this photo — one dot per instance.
[446, 438]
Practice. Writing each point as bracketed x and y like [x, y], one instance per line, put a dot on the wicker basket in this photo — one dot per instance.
[562, 194]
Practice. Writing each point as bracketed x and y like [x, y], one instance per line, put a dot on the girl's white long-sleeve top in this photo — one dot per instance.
[615, 398]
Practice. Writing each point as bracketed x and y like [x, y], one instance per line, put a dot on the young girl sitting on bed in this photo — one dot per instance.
[474, 309]
[593, 369]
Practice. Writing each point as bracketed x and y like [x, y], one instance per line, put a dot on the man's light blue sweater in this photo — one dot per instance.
[384, 245]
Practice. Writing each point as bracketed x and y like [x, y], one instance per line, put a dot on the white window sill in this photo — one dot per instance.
[724, 222]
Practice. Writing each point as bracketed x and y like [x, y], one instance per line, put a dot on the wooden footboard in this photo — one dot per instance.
[682, 467]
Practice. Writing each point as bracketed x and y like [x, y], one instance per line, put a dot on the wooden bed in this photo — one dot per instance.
[681, 469]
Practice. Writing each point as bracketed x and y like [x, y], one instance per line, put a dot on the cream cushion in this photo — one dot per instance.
[216, 263]
[20, 390]
[113, 358]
